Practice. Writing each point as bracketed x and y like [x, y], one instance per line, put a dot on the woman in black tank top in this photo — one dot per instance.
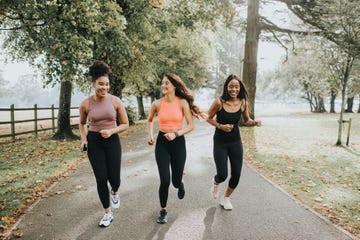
[227, 141]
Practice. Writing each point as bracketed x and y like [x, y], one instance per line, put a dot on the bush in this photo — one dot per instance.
[132, 114]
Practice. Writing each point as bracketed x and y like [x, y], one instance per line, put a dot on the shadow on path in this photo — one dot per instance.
[208, 222]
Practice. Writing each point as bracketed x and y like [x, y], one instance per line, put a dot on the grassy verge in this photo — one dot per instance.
[298, 152]
[29, 166]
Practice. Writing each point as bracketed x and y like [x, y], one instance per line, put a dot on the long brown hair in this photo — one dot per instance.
[183, 92]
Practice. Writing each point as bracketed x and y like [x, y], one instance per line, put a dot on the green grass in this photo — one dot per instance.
[29, 166]
[298, 152]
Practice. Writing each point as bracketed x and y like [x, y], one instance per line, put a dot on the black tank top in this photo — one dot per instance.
[224, 117]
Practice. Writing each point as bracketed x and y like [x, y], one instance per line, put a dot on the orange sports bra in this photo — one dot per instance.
[170, 115]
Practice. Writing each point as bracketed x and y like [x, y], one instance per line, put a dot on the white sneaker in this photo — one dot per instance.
[106, 220]
[226, 204]
[115, 200]
[214, 189]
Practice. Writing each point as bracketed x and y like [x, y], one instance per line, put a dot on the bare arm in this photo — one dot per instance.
[83, 111]
[188, 117]
[214, 108]
[150, 123]
[247, 120]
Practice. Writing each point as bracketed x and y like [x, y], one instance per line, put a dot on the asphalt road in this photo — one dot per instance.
[261, 209]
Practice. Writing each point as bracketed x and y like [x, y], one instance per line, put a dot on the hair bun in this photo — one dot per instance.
[99, 69]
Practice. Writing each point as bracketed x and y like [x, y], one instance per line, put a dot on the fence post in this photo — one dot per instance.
[35, 120]
[348, 133]
[53, 117]
[12, 117]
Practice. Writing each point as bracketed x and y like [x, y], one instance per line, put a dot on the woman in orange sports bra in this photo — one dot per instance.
[170, 149]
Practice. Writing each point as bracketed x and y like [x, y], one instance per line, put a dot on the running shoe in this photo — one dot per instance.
[181, 191]
[106, 220]
[162, 217]
[115, 200]
[226, 203]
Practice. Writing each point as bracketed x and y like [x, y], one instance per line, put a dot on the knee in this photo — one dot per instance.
[165, 183]
[220, 178]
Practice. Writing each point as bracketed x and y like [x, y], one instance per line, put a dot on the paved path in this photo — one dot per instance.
[261, 210]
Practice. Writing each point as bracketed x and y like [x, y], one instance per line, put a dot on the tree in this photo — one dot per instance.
[58, 37]
[251, 48]
[337, 21]
[161, 35]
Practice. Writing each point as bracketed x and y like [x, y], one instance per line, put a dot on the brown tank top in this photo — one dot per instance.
[102, 115]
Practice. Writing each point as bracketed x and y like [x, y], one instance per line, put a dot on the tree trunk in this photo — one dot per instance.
[64, 129]
[358, 111]
[321, 105]
[350, 104]
[116, 87]
[251, 48]
[141, 110]
[332, 101]
[350, 61]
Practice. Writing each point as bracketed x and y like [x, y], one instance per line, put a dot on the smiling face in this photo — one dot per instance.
[102, 86]
[233, 88]
[166, 86]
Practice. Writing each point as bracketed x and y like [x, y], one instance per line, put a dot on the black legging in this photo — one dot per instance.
[222, 151]
[105, 158]
[171, 153]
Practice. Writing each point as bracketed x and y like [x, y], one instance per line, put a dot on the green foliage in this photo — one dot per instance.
[132, 114]
[59, 36]
[338, 21]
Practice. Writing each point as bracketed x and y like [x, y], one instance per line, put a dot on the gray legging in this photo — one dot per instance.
[105, 158]
[222, 151]
[173, 154]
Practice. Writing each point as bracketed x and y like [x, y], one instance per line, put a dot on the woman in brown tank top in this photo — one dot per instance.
[101, 141]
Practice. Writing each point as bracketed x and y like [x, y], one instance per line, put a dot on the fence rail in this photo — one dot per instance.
[13, 124]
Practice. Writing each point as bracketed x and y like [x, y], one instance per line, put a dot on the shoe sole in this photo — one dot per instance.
[161, 222]
[227, 209]
[103, 226]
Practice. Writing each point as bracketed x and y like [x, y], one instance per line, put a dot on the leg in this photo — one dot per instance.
[236, 161]
[220, 154]
[96, 155]
[113, 160]
[177, 161]
[163, 161]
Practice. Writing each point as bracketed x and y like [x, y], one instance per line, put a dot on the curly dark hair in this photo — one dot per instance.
[183, 92]
[99, 69]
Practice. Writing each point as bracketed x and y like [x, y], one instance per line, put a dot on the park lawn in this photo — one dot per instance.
[298, 152]
[28, 168]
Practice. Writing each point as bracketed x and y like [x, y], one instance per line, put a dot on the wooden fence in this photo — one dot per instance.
[15, 121]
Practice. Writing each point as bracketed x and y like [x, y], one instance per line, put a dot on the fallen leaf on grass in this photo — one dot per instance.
[3, 228]
[18, 234]
[29, 201]
[8, 220]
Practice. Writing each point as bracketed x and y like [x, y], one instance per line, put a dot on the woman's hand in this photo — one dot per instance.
[106, 133]
[151, 141]
[226, 127]
[258, 123]
[170, 136]
[83, 147]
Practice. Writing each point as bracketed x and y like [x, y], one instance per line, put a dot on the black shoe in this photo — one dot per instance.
[181, 191]
[162, 217]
